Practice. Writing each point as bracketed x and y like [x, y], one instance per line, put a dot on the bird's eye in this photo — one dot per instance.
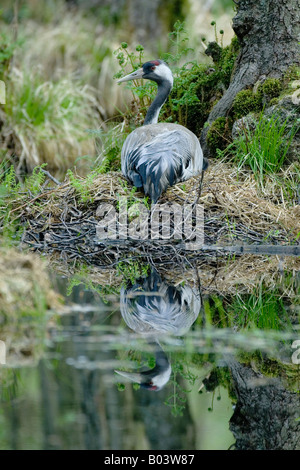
[153, 67]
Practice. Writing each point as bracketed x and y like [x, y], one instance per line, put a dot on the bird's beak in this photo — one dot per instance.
[132, 76]
[131, 376]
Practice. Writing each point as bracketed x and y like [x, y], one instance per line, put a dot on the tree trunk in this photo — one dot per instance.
[269, 35]
[266, 416]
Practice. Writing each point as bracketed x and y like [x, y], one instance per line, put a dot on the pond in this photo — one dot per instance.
[202, 357]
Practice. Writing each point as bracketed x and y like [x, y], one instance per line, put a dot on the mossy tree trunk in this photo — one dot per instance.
[269, 34]
[266, 416]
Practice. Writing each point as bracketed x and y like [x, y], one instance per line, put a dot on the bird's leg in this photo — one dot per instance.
[199, 190]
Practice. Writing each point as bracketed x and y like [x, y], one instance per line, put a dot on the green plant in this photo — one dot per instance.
[8, 179]
[109, 145]
[263, 309]
[131, 270]
[142, 91]
[7, 50]
[9, 190]
[49, 119]
[14, 193]
[263, 149]
[82, 276]
[34, 182]
[177, 399]
[130, 198]
[82, 185]
[178, 46]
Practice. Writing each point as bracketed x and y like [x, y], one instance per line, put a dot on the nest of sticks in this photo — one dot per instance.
[60, 223]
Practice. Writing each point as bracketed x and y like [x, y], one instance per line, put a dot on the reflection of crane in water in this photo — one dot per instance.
[154, 308]
[153, 379]
[156, 156]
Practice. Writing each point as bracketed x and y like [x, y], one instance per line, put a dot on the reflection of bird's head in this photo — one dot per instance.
[153, 306]
[154, 379]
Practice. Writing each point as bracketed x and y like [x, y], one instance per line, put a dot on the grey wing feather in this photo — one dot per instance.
[164, 308]
[156, 160]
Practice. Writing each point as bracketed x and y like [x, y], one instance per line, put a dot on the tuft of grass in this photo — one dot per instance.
[265, 148]
[82, 276]
[109, 144]
[263, 309]
[48, 120]
[58, 78]
[73, 45]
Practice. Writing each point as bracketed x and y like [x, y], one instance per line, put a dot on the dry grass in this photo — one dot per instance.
[74, 47]
[47, 122]
[23, 277]
[240, 274]
[233, 197]
[62, 220]
[214, 274]
[26, 299]
[236, 194]
[59, 86]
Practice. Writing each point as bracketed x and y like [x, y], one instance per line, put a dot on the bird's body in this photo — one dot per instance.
[156, 156]
[155, 308]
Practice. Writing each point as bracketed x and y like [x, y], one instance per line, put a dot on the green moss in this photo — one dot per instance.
[246, 102]
[219, 134]
[273, 101]
[220, 377]
[266, 94]
[292, 73]
[271, 88]
[273, 368]
[228, 59]
[215, 51]
[268, 90]
[197, 115]
[198, 87]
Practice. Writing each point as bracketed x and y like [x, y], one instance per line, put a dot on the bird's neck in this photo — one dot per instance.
[163, 92]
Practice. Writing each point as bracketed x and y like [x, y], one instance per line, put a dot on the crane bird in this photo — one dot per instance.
[158, 155]
[154, 308]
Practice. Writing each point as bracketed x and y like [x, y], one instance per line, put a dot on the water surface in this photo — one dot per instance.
[156, 363]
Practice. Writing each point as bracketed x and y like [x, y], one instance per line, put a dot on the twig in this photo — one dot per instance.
[37, 197]
[50, 176]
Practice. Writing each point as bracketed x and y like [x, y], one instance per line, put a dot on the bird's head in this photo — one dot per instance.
[155, 70]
